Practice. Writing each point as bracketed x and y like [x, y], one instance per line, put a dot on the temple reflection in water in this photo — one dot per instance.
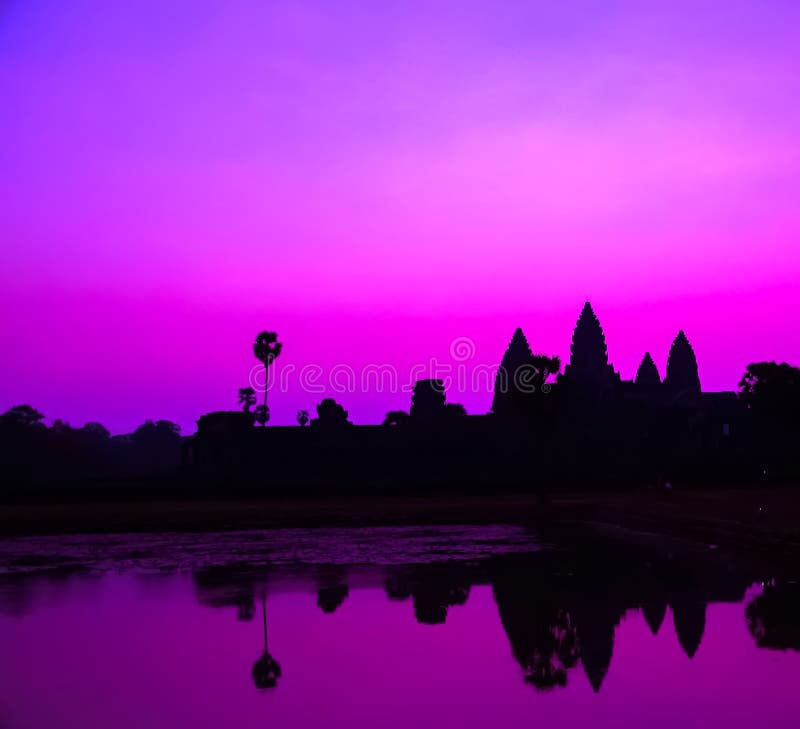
[559, 610]
[392, 627]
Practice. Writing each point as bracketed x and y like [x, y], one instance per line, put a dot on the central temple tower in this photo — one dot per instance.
[588, 362]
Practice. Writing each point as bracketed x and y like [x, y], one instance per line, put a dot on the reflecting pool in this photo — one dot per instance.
[439, 627]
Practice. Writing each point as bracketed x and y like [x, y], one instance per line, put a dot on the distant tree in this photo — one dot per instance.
[682, 377]
[266, 348]
[22, 416]
[331, 415]
[455, 410]
[647, 375]
[554, 652]
[245, 608]
[157, 444]
[520, 377]
[772, 617]
[160, 431]
[395, 417]
[302, 418]
[27, 448]
[262, 414]
[61, 427]
[771, 394]
[546, 367]
[771, 391]
[330, 597]
[435, 589]
[247, 398]
[96, 430]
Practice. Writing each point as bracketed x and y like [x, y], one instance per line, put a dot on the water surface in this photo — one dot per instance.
[440, 627]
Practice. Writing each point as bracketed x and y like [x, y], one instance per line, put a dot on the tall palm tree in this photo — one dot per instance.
[266, 348]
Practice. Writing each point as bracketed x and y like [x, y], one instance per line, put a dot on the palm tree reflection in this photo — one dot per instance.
[266, 670]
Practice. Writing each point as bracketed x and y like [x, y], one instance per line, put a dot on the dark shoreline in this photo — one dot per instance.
[753, 522]
[216, 513]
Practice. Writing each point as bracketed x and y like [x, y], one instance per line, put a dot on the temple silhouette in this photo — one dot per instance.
[583, 427]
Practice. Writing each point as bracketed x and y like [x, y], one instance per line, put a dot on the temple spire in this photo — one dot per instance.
[647, 375]
[682, 377]
[588, 362]
[506, 394]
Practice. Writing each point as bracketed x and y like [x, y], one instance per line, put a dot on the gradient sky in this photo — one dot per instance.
[373, 180]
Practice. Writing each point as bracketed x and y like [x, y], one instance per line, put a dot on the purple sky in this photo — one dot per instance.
[374, 180]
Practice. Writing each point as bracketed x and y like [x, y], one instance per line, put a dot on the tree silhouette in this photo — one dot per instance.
[435, 588]
[546, 367]
[266, 348]
[331, 415]
[262, 414]
[247, 398]
[96, 430]
[157, 431]
[773, 618]
[22, 416]
[157, 444]
[302, 418]
[396, 417]
[771, 391]
[455, 410]
[682, 377]
[647, 375]
[330, 597]
[555, 653]
[245, 608]
[61, 427]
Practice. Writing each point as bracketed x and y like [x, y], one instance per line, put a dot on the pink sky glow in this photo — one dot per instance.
[373, 183]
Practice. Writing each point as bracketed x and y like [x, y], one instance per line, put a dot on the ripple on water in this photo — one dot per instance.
[171, 550]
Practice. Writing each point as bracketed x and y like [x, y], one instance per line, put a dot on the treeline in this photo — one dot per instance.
[557, 437]
[34, 454]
